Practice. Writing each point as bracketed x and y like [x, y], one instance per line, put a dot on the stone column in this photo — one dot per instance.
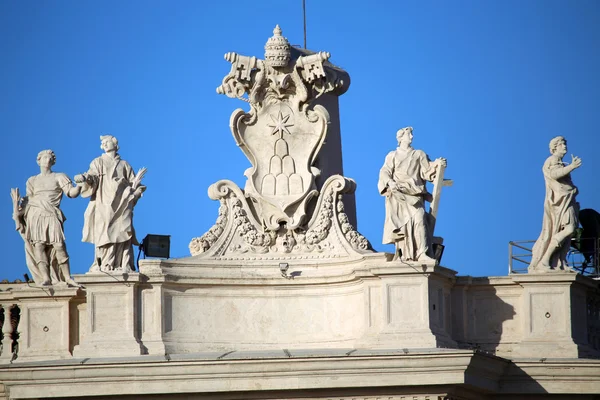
[48, 322]
[554, 311]
[112, 320]
[7, 333]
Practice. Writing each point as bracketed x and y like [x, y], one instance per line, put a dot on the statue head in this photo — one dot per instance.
[404, 133]
[48, 153]
[556, 146]
[109, 142]
[277, 49]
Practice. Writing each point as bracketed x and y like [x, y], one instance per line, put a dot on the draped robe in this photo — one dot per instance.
[44, 221]
[560, 214]
[405, 219]
[108, 219]
[43, 217]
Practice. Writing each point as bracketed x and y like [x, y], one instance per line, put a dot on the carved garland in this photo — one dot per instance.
[355, 239]
[260, 241]
[234, 216]
[201, 244]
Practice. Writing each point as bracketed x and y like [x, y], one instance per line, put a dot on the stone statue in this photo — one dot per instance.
[113, 189]
[560, 211]
[402, 182]
[39, 220]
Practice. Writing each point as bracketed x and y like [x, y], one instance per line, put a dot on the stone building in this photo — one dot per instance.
[284, 299]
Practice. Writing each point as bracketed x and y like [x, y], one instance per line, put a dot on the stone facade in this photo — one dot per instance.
[368, 328]
[282, 298]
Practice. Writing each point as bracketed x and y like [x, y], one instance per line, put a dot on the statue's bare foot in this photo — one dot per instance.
[72, 283]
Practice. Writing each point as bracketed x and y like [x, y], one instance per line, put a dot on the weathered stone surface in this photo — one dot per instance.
[283, 208]
[560, 211]
[402, 181]
[39, 220]
[114, 189]
[112, 318]
[44, 322]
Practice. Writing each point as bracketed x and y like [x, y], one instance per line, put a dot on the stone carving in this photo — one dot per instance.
[280, 210]
[328, 229]
[356, 240]
[281, 134]
[40, 222]
[402, 181]
[113, 189]
[203, 243]
[560, 211]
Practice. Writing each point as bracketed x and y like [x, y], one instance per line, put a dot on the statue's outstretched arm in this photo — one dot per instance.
[73, 192]
[557, 170]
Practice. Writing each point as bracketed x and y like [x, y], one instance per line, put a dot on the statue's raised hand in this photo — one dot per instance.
[79, 179]
[442, 162]
[575, 161]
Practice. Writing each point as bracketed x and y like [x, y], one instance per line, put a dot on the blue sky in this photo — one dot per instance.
[485, 84]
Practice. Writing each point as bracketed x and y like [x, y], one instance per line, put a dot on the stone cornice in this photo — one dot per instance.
[251, 371]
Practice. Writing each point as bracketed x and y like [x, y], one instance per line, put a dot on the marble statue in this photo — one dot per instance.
[280, 209]
[40, 222]
[560, 211]
[402, 181]
[113, 189]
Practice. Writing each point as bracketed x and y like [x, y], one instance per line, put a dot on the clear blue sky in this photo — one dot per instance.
[485, 84]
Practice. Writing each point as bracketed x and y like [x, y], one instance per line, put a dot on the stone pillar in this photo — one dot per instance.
[47, 321]
[152, 314]
[112, 321]
[408, 307]
[554, 311]
[6, 355]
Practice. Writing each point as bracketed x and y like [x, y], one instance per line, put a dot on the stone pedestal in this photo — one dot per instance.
[554, 315]
[408, 306]
[111, 323]
[48, 321]
[368, 303]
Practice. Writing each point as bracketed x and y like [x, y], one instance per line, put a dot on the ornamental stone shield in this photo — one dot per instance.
[281, 145]
[282, 133]
[280, 210]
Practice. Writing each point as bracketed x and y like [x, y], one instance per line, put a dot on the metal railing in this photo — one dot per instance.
[583, 256]
[523, 258]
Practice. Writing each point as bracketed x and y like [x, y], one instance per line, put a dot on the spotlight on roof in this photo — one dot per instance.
[156, 246]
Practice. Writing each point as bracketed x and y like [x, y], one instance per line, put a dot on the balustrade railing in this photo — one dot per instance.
[10, 314]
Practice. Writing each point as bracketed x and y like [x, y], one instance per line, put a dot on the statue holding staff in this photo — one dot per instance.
[402, 181]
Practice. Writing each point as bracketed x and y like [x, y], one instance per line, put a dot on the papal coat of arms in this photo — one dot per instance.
[280, 208]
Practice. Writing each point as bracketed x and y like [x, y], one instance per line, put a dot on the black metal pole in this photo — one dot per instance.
[304, 14]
